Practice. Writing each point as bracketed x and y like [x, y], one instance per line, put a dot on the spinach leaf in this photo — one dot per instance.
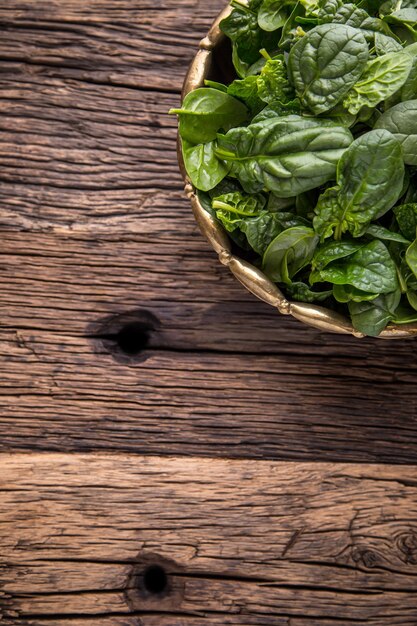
[370, 269]
[278, 109]
[385, 44]
[203, 167]
[381, 79]
[379, 232]
[411, 257]
[406, 215]
[205, 111]
[370, 177]
[246, 213]
[326, 63]
[401, 121]
[273, 14]
[242, 28]
[303, 293]
[332, 251]
[285, 155]
[288, 253]
[348, 293]
[247, 91]
[371, 318]
[263, 229]
[273, 83]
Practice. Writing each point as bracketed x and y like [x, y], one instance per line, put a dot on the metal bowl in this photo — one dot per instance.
[212, 61]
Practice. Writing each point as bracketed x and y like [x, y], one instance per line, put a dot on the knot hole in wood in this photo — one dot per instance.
[127, 335]
[152, 582]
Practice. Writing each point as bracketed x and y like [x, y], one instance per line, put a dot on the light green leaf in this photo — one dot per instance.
[381, 79]
[411, 257]
[205, 111]
[203, 167]
[289, 252]
[273, 14]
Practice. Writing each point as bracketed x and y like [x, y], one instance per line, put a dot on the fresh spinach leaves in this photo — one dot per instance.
[308, 158]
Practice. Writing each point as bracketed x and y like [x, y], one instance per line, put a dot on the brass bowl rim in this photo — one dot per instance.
[251, 277]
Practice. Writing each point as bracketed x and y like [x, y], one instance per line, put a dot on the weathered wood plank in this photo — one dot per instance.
[272, 406]
[253, 541]
[138, 44]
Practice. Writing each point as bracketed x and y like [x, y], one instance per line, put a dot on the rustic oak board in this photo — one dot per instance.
[62, 392]
[295, 544]
[98, 240]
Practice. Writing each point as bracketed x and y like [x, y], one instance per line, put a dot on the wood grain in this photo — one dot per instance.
[296, 543]
[67, 392]
[138, 44]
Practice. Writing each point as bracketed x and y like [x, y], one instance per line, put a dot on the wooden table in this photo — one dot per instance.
[174, 452]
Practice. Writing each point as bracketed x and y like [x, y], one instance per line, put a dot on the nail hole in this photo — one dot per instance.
[155, 579]
[133, 338]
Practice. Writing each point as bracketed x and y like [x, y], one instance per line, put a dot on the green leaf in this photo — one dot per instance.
[273, 14]
[370, 269]
[263, 229]
[303, 293]
[406, 215]
[240, 204]
[412, 299]
[273, 83]
[203, 167]
[381, 79]
[385, 44]
[205, 111]
[285, 155]
[348, 293]
[215, 85]
[247, 91]
[278, 109]
[289, 252]
[239, 211]
[371, 318]
[411, 257]
[370, 177]
[379, 232]
[242, 27]
[332, 251]
[326, 63]
[401, 121]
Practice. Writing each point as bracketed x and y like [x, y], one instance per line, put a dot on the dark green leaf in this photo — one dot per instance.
[278, 109]
[370, 269]
[370, 178]
[334, 250]
[406, 215]
[371, 318]
[285, 155]
[401, 121]
[326, 63]
[303, 293]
